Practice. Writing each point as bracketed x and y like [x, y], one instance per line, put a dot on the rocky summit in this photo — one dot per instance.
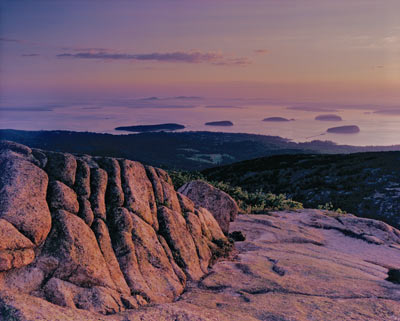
[220, 204]
[96, 233]
[105, 239]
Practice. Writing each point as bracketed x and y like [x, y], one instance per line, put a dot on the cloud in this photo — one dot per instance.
[95, 53]
[10, 40]
[30, 55]
[223, 106]
[155, 98]
[150, 98]
[261, 51]
[25, 109]
[64, 48]
[393, 112]
[187, 97]
[388, 42]
[83, 49]
[192, 57]
[18, 41]
[312, 108]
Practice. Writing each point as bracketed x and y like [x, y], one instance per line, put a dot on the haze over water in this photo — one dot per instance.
[378, 127]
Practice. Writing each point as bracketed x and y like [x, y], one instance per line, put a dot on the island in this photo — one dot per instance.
[219, 123]
[276, 119]
[329, 117]
[151, 128]
[350, 129]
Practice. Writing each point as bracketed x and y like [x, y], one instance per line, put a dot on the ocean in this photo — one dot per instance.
[378, 125]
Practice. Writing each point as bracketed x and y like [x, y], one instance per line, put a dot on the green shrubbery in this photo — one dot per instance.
[329, 207]
[249, 202]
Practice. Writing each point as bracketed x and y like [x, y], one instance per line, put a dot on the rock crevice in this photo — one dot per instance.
[97, 233]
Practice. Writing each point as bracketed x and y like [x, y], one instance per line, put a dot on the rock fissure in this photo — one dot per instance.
[109, 257]
[74, 265]
[285, 291]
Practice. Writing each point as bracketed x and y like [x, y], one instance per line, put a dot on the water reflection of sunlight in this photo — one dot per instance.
[376, 128]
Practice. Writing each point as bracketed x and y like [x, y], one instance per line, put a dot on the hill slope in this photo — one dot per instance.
[366, 184]
[187, 150]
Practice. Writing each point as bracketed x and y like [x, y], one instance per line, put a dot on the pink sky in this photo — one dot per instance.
[345, 51]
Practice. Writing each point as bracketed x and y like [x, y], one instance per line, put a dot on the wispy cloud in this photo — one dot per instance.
[84, 49]
[193, 57]
[25, 109]
[187, 97]
[261, 51]
[18, 41]
[45, 45]
[9, 40]
[223, 106]
[30, 55]
[96, 53]
[388, 42]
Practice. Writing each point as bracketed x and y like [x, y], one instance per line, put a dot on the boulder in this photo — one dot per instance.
[121, 225]
[15, 249]
[186, 204]
[103, 238]
[114, 193]
[164, 191]
[73, 244]
[138, 190]
[11, 238]
[200, 240]
[98, 186]
[154, 263]
[85, 210]
[15, 258]
[82, 181]
[221, 205]
[96, 299]
[40, 157]
[24, 280]
[156, 183]
[89, 160]
[178, 271]
[102, 249]
[61, 167]
[204, 216]
[173, 228]
[23, 188]
[22, 307]
[169, 194]
[15, 147]
[62, 197]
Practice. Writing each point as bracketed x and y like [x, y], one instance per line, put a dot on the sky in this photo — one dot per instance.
[342, 51]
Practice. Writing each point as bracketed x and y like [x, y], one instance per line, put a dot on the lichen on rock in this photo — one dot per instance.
[97, 233]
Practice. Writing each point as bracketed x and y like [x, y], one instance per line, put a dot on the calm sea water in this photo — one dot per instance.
[103, 116]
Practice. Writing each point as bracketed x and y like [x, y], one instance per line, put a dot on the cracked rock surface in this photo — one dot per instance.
[98, 234]
[293, 266]
[88, 238]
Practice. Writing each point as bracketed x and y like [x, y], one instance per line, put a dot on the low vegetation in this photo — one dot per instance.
[249, 202]
[364, 184]
[330, 207]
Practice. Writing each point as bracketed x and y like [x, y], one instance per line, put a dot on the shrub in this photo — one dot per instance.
[248, 202]
[329, 207]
